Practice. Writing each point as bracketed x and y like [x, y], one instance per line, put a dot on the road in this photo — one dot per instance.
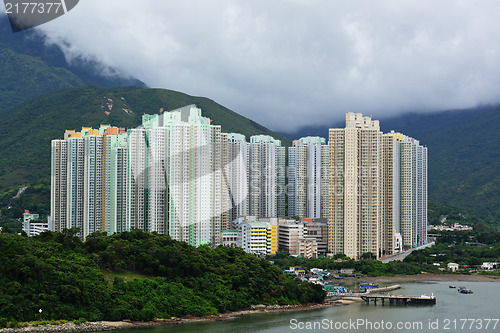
[400, 256]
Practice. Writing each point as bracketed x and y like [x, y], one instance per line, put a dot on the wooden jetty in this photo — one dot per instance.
[408, 300]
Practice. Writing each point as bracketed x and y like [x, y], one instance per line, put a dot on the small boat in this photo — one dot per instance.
[461, 288]
[452, 286]
[465, 291]
[367, 285]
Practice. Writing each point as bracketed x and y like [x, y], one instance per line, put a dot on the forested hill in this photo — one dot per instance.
[464, 159]
[69, 279]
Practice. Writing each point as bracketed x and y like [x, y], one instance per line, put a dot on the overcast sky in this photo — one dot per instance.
[291, 63]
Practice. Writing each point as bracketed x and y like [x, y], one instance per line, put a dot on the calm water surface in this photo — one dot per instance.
[445, 316]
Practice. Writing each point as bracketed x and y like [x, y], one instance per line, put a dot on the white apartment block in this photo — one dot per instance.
[266, 177]
[235, 178]
[115, 182]
[410, 191]
[175, 178]
[93, 182]
[59, 184]
[308, 178]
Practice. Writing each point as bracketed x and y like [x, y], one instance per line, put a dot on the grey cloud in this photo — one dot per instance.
[287, 64]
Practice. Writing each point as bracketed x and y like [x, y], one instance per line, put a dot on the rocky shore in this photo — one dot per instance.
[66, 327]
[113, 325]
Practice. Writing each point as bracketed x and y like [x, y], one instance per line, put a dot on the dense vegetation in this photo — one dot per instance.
[23, 77]
[65, 278]
[440, 213]
[461, 247]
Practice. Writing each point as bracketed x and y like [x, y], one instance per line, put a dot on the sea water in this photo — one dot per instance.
[477, 312]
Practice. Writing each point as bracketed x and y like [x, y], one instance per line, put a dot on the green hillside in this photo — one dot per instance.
[32, 66]
[23, 77]
[63, 276]
[27, 130]
[464, 158]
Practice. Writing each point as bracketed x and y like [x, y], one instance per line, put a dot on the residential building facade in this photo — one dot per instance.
[378, 189]
[308, 178]
[178, 174]
[266, 177]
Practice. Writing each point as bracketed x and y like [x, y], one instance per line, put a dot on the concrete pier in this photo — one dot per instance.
[383, 289]
[407, 300]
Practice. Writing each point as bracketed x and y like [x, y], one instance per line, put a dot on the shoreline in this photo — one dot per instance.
[256, 309]
[100, 326]
[422, 277]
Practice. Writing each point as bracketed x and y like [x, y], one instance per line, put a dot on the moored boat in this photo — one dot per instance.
[465, 291]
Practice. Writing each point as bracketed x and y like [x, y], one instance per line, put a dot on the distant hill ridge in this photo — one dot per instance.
[30, 67]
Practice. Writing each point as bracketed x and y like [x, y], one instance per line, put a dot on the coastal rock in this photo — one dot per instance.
[67, 327]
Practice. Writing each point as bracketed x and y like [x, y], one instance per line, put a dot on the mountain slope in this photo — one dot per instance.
[464, 158]
[26, 130]
[30, 67]
[23, 77]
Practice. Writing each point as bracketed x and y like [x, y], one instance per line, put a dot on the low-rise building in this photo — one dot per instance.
[453, 266]
[398, 242]
[317, 228]
[488, 266]
[348, 271]
[452, 227]
[32, 225]
[308, 247]
[258, 237]
[289, 234]
[229, 238]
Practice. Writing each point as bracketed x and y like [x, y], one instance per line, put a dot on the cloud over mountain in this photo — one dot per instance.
[291, 63]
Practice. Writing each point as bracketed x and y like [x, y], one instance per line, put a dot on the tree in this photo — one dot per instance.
[6, 230]
[368, 255]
